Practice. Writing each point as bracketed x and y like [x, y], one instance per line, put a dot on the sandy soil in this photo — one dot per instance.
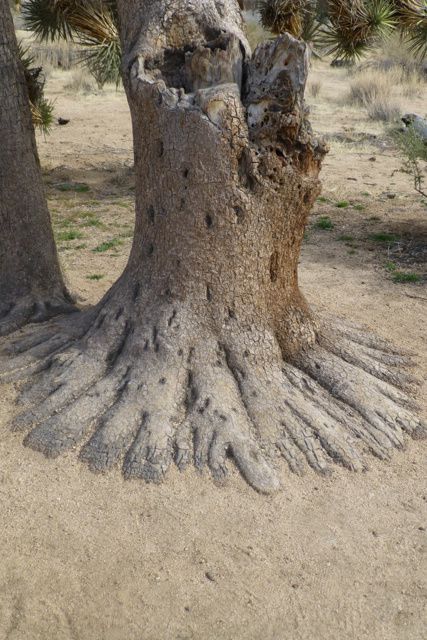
[97, 558]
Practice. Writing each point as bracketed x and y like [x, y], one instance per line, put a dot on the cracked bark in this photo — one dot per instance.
[205, 349]
[31, 285]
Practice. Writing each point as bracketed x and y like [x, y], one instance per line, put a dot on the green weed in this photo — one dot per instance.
[109, 244]
[401, 276]
[66, 236]
[324, 222]
[382, 237]
[391, 266]
[95, 276]
[79, 187]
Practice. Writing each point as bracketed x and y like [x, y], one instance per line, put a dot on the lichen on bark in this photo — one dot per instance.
[205, 349]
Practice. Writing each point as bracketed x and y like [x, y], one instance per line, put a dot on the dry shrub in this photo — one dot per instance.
[373, 90]
[62, 55]
[384, 111]
[314, 88]
[81, 82]
[254, 30]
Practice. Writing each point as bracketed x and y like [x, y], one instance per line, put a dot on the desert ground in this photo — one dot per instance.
[86, 557]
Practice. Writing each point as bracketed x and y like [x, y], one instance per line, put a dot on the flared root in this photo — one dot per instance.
[144, 399]
[32, 310]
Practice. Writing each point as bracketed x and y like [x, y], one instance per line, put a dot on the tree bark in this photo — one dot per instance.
[205, 348]
[31, 285]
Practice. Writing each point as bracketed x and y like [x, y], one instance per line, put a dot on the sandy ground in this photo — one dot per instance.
[86, 557]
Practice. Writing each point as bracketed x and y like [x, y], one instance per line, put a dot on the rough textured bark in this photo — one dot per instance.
[31, 286]
[205, 349]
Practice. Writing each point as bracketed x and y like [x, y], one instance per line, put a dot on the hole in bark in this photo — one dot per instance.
[161, 148]
[170, 66]
[246, 177]
[306, 198]
[162, 381]
[208, 293]
[274, 266]
[136, 291]
[150, 213]
[150, 250]
[231, 314]
[185, 173]
[119, 313]
[240, 214]
[246, 354]
[180, 352]
[209, 221]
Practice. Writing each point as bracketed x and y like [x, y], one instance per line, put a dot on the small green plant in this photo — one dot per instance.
[382, 237]
[66, 236]
[413, 149]
[65, 222]
[323, 199]
[80, 246]
[342, 204]
[92, 222]
[359, 207]
[391, 266]
[345, 238]
[324, 222]
[78, 187]
[401, 276]
[109, 244]
[95, 276]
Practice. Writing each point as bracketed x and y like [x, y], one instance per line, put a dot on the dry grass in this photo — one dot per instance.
[54, 55]
[314, 88]
[81, 82]
[254, 30]
[375, 91]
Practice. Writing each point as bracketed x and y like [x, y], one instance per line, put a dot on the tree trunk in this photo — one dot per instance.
[205, 348]
[31, 286]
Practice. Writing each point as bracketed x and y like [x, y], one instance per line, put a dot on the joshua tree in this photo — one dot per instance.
[348, 29]
[31, 286]
[205, 347]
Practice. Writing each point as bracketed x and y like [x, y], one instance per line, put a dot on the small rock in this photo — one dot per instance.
[372, 159]
[210, 576]
[421, 528]
[375, 534]
[391, 196]
[62, 121]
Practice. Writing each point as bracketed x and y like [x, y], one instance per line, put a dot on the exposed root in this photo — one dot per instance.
[32, 310]
[149, 399]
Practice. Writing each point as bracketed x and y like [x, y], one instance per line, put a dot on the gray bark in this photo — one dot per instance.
[31, 285]
[205, 349]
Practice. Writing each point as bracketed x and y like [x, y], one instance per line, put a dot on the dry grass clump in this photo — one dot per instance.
[374, 90]
[81, 82]
[314, 88]
[54, 55]
[254, 30]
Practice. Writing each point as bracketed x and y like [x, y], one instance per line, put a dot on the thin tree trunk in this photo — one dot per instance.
[31, 285]
[205, 348]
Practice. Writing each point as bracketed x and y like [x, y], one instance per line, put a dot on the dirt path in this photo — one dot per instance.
[96, 558]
